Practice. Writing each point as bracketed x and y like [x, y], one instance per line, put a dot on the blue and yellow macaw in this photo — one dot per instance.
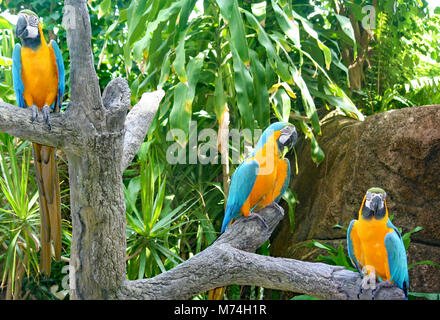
[38, 76]
[374, 244]
[261, 179]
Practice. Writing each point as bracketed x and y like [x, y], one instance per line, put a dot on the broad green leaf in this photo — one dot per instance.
[292, 200]
[136, 18]
[194, 67]
[286, 87]
[348, 30]
[406, 238]
[5, 24]
[280, 67]
[428, 296]
[104, 8]
[316, 151]
[141, 48]
[261, 98]
[187, 8]
[184, 93]
[243, 84]
[282, 105]
[259, 10]
[179, 61]
[219, 96]
[309, 104]
[230, 11]
[308, 27]
[164, 70]
[289, 27]
[338, 98]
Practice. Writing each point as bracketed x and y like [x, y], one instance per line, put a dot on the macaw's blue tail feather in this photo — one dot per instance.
[231, 212]
[226, 220]
[224, 225]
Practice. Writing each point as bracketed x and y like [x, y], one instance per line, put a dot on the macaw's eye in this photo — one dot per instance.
[33, 21]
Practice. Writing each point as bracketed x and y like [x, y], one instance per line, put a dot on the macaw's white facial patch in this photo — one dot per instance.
[370, 196]
[32, 32]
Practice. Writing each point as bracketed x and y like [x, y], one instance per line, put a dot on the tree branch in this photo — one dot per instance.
[228, 261]
[17, 122]
[84, 84]
[137, 123]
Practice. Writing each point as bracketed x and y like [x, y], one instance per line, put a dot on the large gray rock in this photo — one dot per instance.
[397, 150]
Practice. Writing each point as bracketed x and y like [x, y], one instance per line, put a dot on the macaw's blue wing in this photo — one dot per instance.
[286, 181]
[397, 258]
[242, 182]
[16, 76]
[350, 247]
[61, 76]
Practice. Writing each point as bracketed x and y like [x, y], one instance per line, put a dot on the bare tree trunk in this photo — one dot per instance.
[100, 139]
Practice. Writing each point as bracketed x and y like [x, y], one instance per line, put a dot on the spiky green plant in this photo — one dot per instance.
[19, 219]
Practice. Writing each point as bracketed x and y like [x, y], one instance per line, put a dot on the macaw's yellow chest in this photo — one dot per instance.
[372, 242]
[40, 76]
[265, 186]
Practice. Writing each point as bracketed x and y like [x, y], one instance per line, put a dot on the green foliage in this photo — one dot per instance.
[150, 226]
[304, 297]
[7, 45]
[407, 236]
[19, 217]
[424, 295]
[336, 257]
[405, 34]
[185, 52]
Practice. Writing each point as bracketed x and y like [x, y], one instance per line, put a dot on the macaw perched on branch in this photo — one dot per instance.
[261, 179]
[38, 75]
[375, 246]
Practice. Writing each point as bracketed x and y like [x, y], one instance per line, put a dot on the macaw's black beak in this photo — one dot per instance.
[21, 26]
[288, 137]
[375, 207]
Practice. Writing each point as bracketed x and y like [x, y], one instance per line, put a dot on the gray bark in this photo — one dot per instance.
[137, 124]
[100, 140]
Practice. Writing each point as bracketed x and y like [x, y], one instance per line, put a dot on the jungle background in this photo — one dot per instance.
[226, 65]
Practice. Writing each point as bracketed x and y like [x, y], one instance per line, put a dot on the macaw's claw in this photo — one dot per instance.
[276, 206]
[360, 292]
[383, 284]
[46, 111]
[34, 110]
[254, 215]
